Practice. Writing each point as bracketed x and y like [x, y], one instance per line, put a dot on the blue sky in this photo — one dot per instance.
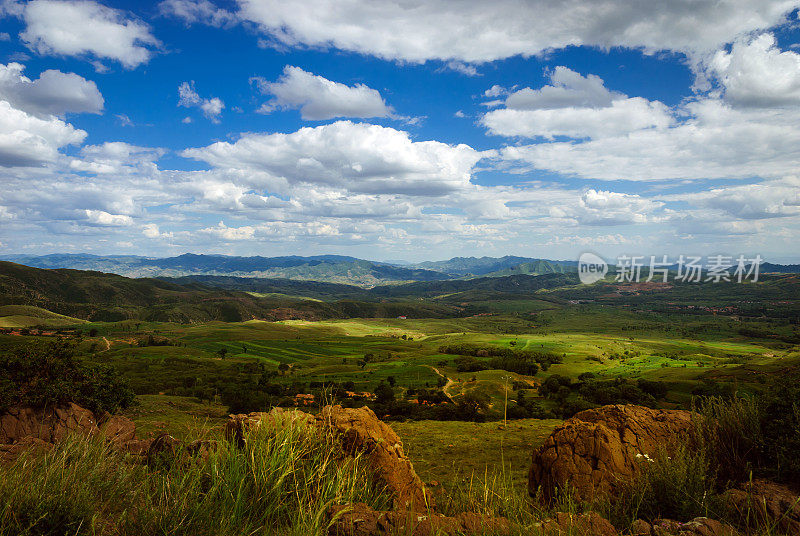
[389, 130]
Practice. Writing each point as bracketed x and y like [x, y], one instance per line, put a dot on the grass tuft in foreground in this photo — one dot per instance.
[282, 482]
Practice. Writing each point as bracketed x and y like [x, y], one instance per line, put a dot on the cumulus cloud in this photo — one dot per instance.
[72, 28]
[757, 73]
[568, 89]
[621, 117]
[100, 217]
[714, 141]
[359, 157]
[319, 98]
[477, 31]
[575, 106]
[197, 11]
[189, 98]
[53, 92]
[26, 140]
[117, 158]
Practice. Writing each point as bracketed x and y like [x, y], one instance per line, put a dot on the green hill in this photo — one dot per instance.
[25, 316]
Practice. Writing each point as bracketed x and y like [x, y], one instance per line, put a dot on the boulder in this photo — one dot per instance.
[9, 453]
[699, 526]
[117, 430]
[565, 524]
[51, 424]
[762, 502]
[362, 432]
[361, 520]
[202, 448]
[598, 450]
[163, 449]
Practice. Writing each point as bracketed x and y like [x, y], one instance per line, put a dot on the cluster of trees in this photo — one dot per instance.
[589, 391]
[512, 360]
[39, 375]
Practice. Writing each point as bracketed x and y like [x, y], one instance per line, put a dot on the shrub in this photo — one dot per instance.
[758, 435]
[679, 486]
[41, 375]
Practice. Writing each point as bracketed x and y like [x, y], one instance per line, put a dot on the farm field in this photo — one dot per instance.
[179, 359]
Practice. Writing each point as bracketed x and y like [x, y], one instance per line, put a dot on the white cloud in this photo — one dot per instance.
[714, 141]
[620, 118]
[188, 98]
[765, 200]
[72, 28]
[477, 31]
[496, 91]
[26, 140]
[53, 92]
[100, 217]
[230, 233]
[575, 106]
[569, 89]
[117, 158]
[197, 11]
[359, 157]
[463, 68]
[757, 73]
[319, 98]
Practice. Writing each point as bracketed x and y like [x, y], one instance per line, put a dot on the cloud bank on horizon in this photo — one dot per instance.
[389, 129]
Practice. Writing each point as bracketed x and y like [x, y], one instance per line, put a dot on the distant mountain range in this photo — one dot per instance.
[323, 268]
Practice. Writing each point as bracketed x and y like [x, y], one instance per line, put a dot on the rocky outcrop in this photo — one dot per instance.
[699, 526]
[9, 453]
[361, 432]
[117, 430]
[565, 524]
[50, 424]
[40, 428]
[764, 503]
[361, 520]
[598, 450]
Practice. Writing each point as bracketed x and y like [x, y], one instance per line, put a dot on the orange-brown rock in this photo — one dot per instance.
[596, 451]
[163, 449]
[362, 431]
[9, 453]
[588, 524]
[361, 520]
[699, 526]
[118, 430]
[764, 503]
[50, 424]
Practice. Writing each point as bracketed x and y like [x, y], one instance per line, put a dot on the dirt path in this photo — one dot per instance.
[449, 383]
[108, 344]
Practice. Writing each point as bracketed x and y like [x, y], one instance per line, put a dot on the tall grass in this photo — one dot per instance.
[282, 482]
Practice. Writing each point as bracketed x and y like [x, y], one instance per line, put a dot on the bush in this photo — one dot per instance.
[45, 375]
[758, 435]
[680, 486]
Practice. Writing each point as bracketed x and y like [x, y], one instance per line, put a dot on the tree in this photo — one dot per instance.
[93, 332]
[392, 381]
[222, 352]
[283, 368]
[384, 394]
